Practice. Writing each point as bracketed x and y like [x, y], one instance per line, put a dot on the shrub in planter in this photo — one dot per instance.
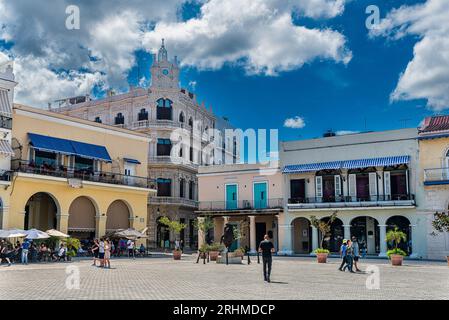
[214, 250]
[441, 224]
[321, 255]
[176, 227]
[396, 255]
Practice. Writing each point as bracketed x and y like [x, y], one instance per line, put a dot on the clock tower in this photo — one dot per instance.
[164, 74]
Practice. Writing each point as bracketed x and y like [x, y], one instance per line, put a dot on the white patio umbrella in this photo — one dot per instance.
[34, 234]
[12, 233]
[129, 234]
[56, 233]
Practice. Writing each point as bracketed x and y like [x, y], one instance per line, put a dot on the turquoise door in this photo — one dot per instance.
[231, 196]
[260, 195]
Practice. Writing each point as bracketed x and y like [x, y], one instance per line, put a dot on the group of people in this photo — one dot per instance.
[350, 254]
[29, 250]
[102, 248]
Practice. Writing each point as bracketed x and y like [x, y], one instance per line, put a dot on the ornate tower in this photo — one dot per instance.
[164, 74]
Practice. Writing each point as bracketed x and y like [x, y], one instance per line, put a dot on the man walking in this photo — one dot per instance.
[25, 248]
[266, 248]
[343, 254]
[356, 250]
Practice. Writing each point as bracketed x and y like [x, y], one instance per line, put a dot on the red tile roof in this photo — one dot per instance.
[435, 123]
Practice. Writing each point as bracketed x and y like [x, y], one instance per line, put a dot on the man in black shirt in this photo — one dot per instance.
[266, 248]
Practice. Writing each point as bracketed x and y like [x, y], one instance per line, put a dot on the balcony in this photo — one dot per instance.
[173, 201]
[83, 175]
[5, 175]
[143, 124]
[436, 176]
[169, 160]
[399, 200]
[242, 205]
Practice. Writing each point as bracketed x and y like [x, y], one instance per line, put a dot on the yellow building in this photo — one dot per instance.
[80, 177]
[434, 180]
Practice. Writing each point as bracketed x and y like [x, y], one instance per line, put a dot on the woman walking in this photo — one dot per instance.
[349, 257]
[107, 254]
[94, 250]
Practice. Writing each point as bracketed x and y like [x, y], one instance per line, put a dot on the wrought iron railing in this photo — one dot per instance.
[343, 201]
[277, 203]
[83, 174]
[173, 200]
[436, 174]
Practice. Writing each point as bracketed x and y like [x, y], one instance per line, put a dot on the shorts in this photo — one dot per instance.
[101, 255]
[96, 254]
[356, 258]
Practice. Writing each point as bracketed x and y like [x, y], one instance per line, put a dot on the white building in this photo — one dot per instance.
[370, 179]
[161, 110]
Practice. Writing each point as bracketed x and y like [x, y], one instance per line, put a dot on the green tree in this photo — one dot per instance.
[173, 225]
[441, 222]
[323, 226]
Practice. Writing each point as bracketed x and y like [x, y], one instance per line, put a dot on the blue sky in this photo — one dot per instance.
[327, 93]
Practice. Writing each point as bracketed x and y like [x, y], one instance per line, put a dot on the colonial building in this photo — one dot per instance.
[7, 85]
[434, 179]
[164, 111]
[369, 179]
[77, 176]
[247, 196]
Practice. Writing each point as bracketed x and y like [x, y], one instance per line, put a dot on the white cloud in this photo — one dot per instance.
[192, 84]
[345, 132]
[294, 123]
[427, 74]
[258, 34]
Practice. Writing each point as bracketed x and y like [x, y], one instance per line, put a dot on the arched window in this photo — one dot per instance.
[190, 122]
[180, 151]
[191, 190]
[163, 187]
[97, 120]
[182, 183]
[164, 109]
[163, 147]
[119, 119]
[142, 115]
[181, 117]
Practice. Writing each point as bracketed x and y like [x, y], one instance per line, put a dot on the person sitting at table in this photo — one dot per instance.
[60, 254]
[142, 250]
[43, 252]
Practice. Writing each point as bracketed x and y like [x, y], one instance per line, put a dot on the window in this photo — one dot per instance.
[98, 120]
[163, 187]
[191, 154]
[191, 191]
[84, 164]
[190, 122]
[43, 158]
[180, 151]
[142, 115]
[119, 119]
[298, 190]
[181, 117]
[164, 109]
[163, 147]
[182, 183]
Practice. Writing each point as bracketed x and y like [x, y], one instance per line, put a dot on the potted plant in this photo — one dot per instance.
[325, 228]
[214, 250]
[396, 254]
[441, 224]
[176, 227]
[72, 245]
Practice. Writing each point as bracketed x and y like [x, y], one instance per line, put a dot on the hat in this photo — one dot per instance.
[345, 240]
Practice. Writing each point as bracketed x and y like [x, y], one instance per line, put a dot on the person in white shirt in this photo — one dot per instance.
[130, 245]
[101, 252]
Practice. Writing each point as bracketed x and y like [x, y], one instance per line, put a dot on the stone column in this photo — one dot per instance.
[100, 229]
[382, 241]
[62, 222]
[314, 240]
[414, 238]
[252, 234]
[285, 237]
[201, 235]
[218, 228]
[4, 218]
[347, 231]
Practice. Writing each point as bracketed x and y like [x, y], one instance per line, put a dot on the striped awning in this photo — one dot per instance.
[310, 167]
[5, 148]
[347, 164]
[375, 162]
[5, 104]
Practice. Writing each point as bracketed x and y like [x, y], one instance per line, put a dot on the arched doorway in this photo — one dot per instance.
[117, 216]
[403, 224]
[1, 213]
[366, 230]
[82, 223]
[41, 210]
[302, 235]
[333, 240]
[162, 235]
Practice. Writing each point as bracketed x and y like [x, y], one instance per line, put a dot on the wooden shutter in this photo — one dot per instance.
[337, 186]
[387, 185]
[319, 186]
[373, 184]
[352, 190]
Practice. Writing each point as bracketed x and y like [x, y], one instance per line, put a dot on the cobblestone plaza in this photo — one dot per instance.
[162, 278]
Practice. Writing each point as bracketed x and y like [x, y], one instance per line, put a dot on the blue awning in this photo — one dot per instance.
[85, 150]
[347, 164]
[129, 160]
[375, 162]
[50, 144]
[310, 167]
